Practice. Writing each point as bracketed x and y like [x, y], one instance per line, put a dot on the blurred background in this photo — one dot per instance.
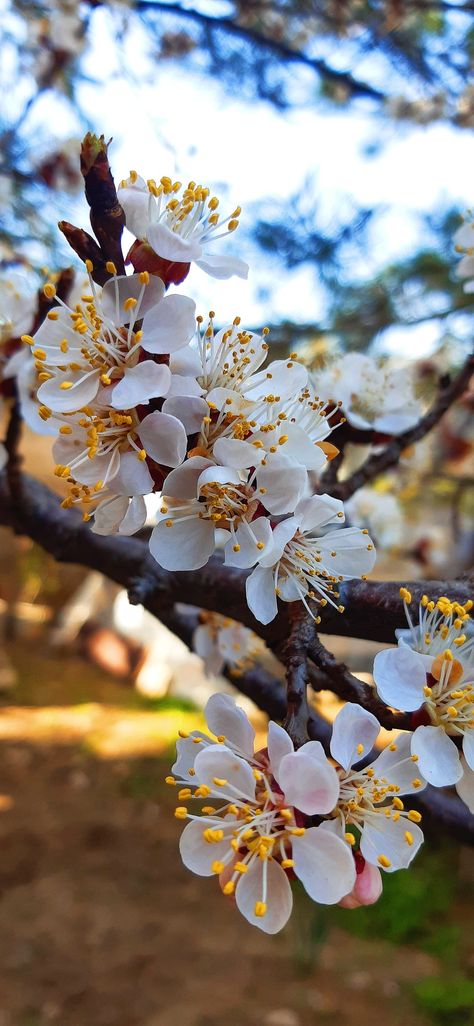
[344, 129]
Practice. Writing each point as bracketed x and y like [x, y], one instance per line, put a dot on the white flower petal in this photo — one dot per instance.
[188, 409]
[186, 754]
[135, 516]
[224, 717]
[284, 482]
[135, 200]
[400, 676]
[353, 556]
[395, 766]
[187, 545]
[234, 453]
[260, 534]
[170, 325]
[205, 646]
[182, 483]
[109, 515]
[279, 745]
[282, 534]
[83, 390]
[117, 290]
[438, 757]
[352, 727]
[171, 246]
[197, 854]
[133, 476]
[260, 592]
[318, 511]
[218, 762]
[468, 747]
[324, 864]
[223, 266]
[284, 378]
[465, 786]
[399, 840]
[140, 383]
[279, 901]
[309, 784]
[300, 448]
[164, 438]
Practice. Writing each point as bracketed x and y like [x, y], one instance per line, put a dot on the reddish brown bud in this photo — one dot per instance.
[143, 258]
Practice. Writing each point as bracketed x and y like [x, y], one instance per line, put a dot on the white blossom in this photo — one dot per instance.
[373, 396]
[464, 243]
[179, 230]
[380, 512]
[257, 829]
[220, 641]
[432, 670]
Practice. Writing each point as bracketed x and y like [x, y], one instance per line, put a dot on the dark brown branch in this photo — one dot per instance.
[295, 656]
[373, 609]
[12, 445]
[276, 46]
[343, 683]
[377, 463]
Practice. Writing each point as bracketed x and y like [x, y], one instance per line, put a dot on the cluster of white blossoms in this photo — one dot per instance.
[222, 642]
[145, 396]
[431, 674]
[272, 815]
[373, 397]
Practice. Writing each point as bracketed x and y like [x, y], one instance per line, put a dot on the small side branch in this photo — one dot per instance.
[295, 657]
[378, 463]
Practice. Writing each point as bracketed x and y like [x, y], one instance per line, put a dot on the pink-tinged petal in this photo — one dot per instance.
[83, 390]
[279, 899]
[347, 553]
[309, 784]
[400, 676]
[198, 854]
[366, 890]
[109, 515]
[260, 592]
[253, 543]
[223, 267]
[284, 483]
[190, 410]
[133, 476]
[172, 246]
[187, 545]
[318, 511]
[135, 516]
[352, 728]
[438, 757]
[226, 718]
[324, 864]
[395, 766]
[279, 745]
[140, 383]
[232, 452]
[284, 378]
[397, 840]
[216, 762]
[182, 483]
[465, 786]
[170, 325]
[164, 439]
[117, 290]
[468, 748]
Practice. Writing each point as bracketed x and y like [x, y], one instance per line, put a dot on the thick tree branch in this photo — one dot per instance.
[377, 463]
[295, 656]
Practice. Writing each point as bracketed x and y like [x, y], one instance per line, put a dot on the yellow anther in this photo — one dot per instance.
[260, 906]
[65, 385]
[350, 838]
[208, 810]
[287, 864]
[65, 429]
[183, 733]
[393, 747]
[105, 379]
[408, 837]
[181, 812]
[213, 836]
[89, 266]
[233, 224]
[398, 804]
[257, 774]
[49, 290]
[144, 278]
[405, 595]
[236, 548]
[452, 711]
[229, 887]
[414, 816]
[110, 267]
[170, 780]
[184, 794]
[427, 691]
[286, 814]
[130, 303]
[219, 781]
[142, 454]
[240, 867]
[217, 867]
[298, 831]
[384, 861]
[260, 545]
[416, 783]
[359, 749]
[414, 758]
